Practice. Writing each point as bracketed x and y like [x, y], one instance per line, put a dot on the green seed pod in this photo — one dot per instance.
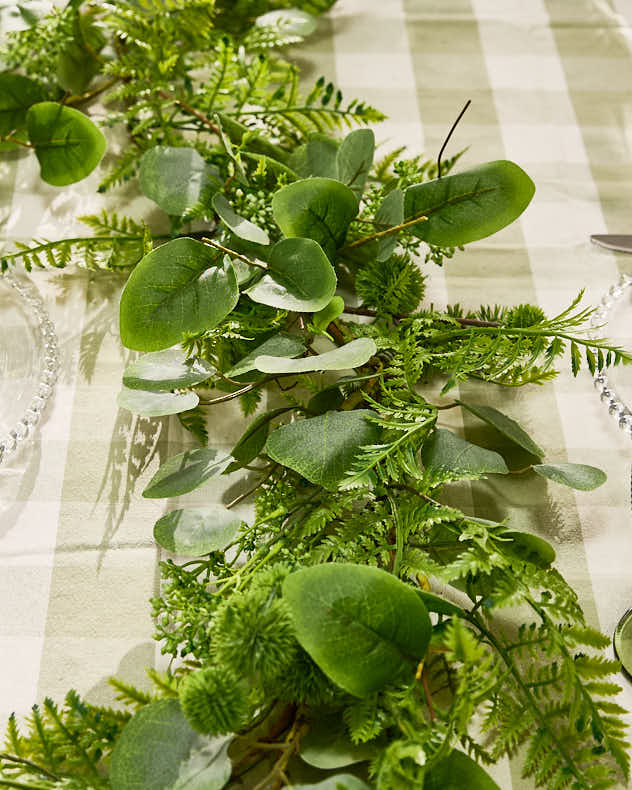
[214, 701]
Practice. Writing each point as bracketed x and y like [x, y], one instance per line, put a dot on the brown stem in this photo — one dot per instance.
[250, 491]
[24, 761]
[426, 685]
[373, 314]
[237, 393]
[81, 97]
[382, 233]
[232, 253]
[191, 111]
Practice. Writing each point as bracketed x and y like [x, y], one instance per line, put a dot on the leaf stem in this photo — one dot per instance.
[233, 254]
[24, 761]
[382, 233]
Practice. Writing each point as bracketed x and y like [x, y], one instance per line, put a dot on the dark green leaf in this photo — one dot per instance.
[457, 771]
[323, 449]
[506, 426]
[166, 370]
[316, 208]
[300, 277]
[354, 159]
[159, 750]
[178, 289]
[156, 404]
[390, 213]
[17, 94]
[67, 144]
[446, 450]
[576, 358]
[351, 355]
[186, 472]
[469, 205]
[254, 438]
[280, 345]
[327, 745]
[238, 225]
[529, 548]
[176, 178]
[363, 627]
[328, 399]
[579, 476]
[193, 532]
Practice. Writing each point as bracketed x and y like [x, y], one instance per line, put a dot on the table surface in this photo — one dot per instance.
[551, 88]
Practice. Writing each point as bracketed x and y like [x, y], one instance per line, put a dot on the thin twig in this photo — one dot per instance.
[382, 233]
[191, 111]
[447, 139]
[250, 491]
[24, 761]
[232, 253]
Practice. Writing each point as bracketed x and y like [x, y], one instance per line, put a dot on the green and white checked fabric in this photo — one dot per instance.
[551, 88]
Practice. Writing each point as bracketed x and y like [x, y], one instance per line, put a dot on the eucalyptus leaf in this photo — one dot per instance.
[159, 750]
[192, 532]
[17, 94]
[389, 214]
[253, 440]
[337, 782]
[300, 277]
[176, 178]
[354, 159]
[290, 21]
[529, 548]
[78, 62]
[327, 399]
[316, 208]
[327, 745]
[445, 450]
[166, 370]
[457, 771]
[579, 476]
[363, 627]
[238, 225]
[66, 142]
[185, 472]
[323, 449]
[329, 313]
[435, 603]
[504, 425]
[316, 157]
[279, 345]
[351, 355]
[156, 404]
[178, 289]
[470, 205]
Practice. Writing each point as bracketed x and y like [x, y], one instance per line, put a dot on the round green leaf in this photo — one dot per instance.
[457, 771]
[316, 157]
[579, 476]
[238, 225]
[166, 370]
[178, 289]
[185, 472]
[316, 208]
[300, 277]
[363, 627]
[351, 355]
[337, 782]
[67, 144]
[156, 404]
[327, 745]
[389, 214]
[530, 548]
[323, 449]
[354, 159]
[176, 178]
[505, 425]
[17, 94]
[469, 205]
[193, 532]
[445, 450]
[329, 313]
[290, 21]
[159, 750]
[279, 345]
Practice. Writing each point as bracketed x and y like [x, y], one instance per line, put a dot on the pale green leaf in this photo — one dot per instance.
[363, 627]
[166, 370]
[176, 178]
[192, 532]
[470, 205]
[323, 449]
[179, 289]
[156, 404]
[279, 345]
[300, 277]
[579, 476]
[66, 142]
[185, 472]
[351, 355]
[289, 21]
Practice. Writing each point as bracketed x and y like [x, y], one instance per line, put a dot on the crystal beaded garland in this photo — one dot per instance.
[46, 376]
[617, 408]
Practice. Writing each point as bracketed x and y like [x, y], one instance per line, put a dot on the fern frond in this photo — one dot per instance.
[194, 420]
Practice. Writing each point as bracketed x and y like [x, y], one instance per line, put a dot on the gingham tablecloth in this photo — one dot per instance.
[551, 88]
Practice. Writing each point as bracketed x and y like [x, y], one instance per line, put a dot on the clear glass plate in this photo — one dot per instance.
[28, 361]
